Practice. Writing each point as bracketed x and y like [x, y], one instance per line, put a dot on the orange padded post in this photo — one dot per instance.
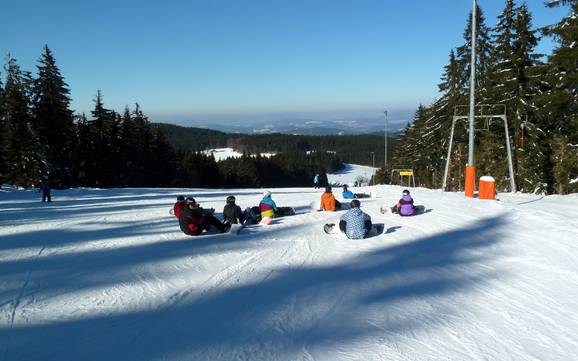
[487, 188]
[470, 180]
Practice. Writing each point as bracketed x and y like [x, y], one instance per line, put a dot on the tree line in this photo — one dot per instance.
[540, 95]
[42, 138]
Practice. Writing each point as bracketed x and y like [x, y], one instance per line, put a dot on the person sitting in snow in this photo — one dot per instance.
[178, 206]
[405, 207]
[267, 206]
[328, 201]
[193, 219]
[232, 213]
[347, 194]
[355, 223]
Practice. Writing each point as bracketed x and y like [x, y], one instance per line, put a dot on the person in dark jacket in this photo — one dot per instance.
[178, 206]
[194, 219]
[45, 188]
[232, 213]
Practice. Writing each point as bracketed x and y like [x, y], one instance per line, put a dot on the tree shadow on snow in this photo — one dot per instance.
[280, 313]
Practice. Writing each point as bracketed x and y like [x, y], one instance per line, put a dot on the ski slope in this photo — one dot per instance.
[107, 275]
[349, 174]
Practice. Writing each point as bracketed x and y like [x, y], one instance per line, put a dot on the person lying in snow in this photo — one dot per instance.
[347, 194]
[194, 219]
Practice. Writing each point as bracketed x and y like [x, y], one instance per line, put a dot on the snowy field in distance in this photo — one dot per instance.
[107, 275]
[224, 153]
[349, 174]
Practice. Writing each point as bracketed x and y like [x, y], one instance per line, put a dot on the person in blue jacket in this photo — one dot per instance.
[347, 194]
[356, 224]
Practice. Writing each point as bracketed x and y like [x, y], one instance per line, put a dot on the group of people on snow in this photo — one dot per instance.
[356, 224]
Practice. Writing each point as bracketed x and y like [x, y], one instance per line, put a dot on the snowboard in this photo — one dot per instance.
[389, 210]
[376, 230]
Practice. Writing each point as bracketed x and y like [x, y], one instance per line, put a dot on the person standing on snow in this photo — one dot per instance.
[355, 223]
[194, 219]
[316, 181]
[328, 201]
[232, 213]
[45, 188]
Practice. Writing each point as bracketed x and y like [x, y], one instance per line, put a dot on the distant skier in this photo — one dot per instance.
[328, 201]
[178, 206]
[355, 223]
[405, 207]
[232, 213]
[347, 194]
[194, 219]
[316, 181]
[45, 188]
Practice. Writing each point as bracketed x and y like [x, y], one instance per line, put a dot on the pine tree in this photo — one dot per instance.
[560, 102]
[2, 158]
[101, 130]
[18, 144]
[52, 120]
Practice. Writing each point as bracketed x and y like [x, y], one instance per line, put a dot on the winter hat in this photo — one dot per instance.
[180, 198]
[405, 192]
[231, 199]
[328, 189]
[355, 203]
[191, 200]
[267, 194]
[345, 187]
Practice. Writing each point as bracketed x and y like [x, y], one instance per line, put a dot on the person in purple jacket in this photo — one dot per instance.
[405, 207]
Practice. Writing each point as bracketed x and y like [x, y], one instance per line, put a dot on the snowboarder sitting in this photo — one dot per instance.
[45, 188]
[328, 201]
[405, 207]
[347, 194]
[355, 223]
[178, 206]
[267, 207]
[232, 213]
[193, 219]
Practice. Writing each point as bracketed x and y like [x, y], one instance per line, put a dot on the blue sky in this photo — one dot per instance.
[213, 59]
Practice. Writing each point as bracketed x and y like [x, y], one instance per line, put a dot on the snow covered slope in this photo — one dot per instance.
[107, 275]
[349, 174]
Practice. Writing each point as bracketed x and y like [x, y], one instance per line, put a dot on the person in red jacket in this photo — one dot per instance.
[194, 219]
[178, 207]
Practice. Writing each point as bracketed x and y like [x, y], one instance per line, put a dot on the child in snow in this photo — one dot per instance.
[267, 207]
[355, 223]
[194, 219]
[405, 205]
[232, 213]
[347, 194]
[178, 206]
[328, 201]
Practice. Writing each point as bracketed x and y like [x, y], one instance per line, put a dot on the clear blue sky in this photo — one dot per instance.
[201, 59]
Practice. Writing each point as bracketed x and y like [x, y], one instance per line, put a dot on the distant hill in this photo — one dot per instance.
[356, 149]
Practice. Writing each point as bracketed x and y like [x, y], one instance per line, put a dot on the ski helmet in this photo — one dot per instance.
[328, 189]
[231, 199]
[345, 187]
[267, 194]
[180, 198]
[355, 203]
[405, 192]
[191, 200]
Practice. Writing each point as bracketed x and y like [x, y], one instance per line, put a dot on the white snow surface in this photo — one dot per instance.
[107, 275]
[349, 174]
[224, 153]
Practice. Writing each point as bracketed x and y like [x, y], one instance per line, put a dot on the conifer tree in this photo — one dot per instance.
[18, 144]
[101, 129]
[560, 102]
[52, 119]
[2, 105]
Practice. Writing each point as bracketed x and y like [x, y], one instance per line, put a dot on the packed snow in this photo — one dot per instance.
[107, 275]
[350, 174]
[224, 153]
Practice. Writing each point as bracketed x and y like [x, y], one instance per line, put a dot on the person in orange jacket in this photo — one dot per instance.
[328, 201]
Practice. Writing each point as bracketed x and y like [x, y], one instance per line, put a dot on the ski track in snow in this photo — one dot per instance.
[107, 274]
